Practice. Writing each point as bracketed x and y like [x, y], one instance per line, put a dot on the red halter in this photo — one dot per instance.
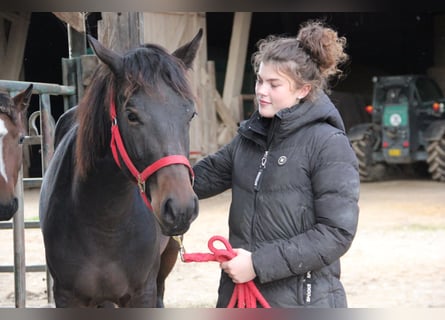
[117, 146]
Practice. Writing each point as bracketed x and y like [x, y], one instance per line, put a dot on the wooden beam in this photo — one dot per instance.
[12, 58]
[11, 16]
[76, 20]
[236, 62]
[224, 113]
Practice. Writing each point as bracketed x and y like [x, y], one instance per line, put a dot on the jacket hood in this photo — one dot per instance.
[320, 110]
[291, 119]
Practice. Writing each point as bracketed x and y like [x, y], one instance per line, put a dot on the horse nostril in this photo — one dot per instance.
[179, 216]
[168, 212]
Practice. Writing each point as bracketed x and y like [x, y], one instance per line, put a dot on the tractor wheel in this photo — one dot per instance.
[363, 149]
[436, 159]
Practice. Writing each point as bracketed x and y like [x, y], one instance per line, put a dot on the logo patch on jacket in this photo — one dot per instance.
[282, 160]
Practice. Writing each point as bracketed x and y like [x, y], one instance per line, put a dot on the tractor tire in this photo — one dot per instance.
[368, 170]
[436, 159]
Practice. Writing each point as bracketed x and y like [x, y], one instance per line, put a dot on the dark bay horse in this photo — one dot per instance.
[12, 133]
[119, 184]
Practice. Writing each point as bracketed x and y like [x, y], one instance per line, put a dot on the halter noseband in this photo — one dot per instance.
[118, 148]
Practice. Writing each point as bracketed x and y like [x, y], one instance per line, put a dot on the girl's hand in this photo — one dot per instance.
[240, 268]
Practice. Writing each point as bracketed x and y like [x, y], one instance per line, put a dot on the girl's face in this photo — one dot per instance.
[276, 91]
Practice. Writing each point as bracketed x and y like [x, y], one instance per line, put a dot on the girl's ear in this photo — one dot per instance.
[304, 91]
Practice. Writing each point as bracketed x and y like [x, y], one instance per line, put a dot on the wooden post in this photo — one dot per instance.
[71, 66]
[120, 31]
[12, 61]
[19, 247]
[236, 62]
[210, 125]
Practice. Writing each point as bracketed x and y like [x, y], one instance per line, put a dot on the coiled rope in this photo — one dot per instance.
[246, 294]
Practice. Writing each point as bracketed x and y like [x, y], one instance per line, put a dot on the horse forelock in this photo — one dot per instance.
[148, 66]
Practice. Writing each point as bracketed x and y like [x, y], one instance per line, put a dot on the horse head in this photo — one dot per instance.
[12, 133]
[151, 105]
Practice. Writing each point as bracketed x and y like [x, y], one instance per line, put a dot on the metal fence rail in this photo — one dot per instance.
[46, 140]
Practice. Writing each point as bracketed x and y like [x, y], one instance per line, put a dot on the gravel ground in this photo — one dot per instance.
[397, 259]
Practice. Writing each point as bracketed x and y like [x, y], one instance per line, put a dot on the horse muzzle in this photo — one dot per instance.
[8, 210]
[176, 217]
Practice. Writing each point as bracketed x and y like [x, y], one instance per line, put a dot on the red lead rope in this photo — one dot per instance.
[247, 294]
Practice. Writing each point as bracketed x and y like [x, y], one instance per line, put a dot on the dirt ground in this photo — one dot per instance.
[397, 258]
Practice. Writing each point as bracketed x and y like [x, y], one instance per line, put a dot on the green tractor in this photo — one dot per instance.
[407, 128]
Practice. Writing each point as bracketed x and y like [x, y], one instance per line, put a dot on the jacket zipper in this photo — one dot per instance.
[308, 290]
[259, 175]
[256, 186]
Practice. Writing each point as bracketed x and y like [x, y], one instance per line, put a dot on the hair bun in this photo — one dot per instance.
[323, 45]
[309, 52]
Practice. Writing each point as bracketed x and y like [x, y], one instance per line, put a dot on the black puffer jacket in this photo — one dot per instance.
[295, 190]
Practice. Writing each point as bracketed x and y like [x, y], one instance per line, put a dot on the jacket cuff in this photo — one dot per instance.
[269, 264]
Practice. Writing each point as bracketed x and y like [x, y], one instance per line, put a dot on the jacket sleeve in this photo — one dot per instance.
[335, 184]
[213, 174]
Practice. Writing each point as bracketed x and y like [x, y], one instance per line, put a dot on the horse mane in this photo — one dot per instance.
[144, 67]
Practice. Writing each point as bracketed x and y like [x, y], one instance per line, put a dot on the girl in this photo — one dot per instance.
[293, 174]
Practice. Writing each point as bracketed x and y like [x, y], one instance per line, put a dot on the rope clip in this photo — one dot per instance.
[179, 240]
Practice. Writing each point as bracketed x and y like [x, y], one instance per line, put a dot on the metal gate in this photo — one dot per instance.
[46, 139]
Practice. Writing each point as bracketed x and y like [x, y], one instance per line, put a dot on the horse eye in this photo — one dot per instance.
[132, 117]
[21, 139]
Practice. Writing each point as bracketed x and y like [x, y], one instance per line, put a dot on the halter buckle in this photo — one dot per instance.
[141, 184]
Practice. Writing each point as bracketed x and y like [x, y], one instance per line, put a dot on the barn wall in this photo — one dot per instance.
[172, 30]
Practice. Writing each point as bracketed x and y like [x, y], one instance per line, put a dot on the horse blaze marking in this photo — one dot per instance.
[3, 132]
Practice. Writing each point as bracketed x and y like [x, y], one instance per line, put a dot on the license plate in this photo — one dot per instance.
[394, 152]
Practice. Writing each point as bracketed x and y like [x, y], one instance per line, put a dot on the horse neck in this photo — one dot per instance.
[107, 193]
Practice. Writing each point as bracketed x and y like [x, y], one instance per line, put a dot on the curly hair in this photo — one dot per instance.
[312, 57]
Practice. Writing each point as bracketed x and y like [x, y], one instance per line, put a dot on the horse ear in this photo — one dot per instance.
[187, 52]
[107, 56]
[21, 100]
